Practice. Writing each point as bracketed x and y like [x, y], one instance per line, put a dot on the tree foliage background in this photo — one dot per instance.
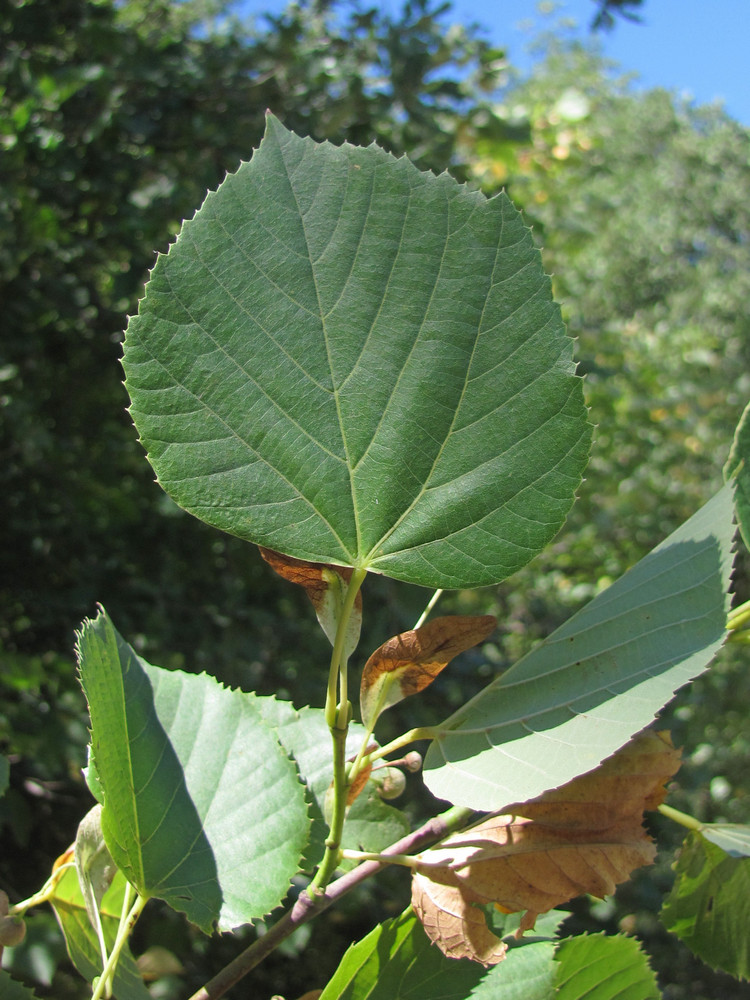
[114, 120]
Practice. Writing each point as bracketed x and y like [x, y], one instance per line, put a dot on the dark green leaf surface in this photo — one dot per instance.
[709, 905]
[191, 777]
[4, 774]
[11, 989]
[352, 362]
[81, 939]
[599, 679]
[596, 967]
[738, 466]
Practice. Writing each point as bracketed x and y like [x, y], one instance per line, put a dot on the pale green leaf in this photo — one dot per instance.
[94, 867]
[597, 967]
[352, 362]
[371, 824]
[709, 905]
[599, 679]
[81, 939]
[191, 777]
[732, 838]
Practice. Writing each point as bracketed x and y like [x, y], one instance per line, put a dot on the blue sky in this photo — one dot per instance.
[697, 48]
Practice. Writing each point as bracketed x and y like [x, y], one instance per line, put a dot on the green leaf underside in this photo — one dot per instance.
[732, 838]
[738, 465]
[11, 989]
[82, 942]
[397, 961]
[596, 967]
[596, 681]
[191, 778]
[709, 905]
[352, 362]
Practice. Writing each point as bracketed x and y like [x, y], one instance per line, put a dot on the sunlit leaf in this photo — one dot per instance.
[191, 778]
[709, 905]
[596, 967]
[81, 938]
[738, 467]
[94, 867]
[352, 362]
[600, 678]
[583, 838]
[410, 661]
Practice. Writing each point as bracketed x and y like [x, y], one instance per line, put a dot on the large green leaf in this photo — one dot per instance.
[709, 905]
[596, 967]
[599, 679]
[192, 778]
[352, 362]
[81, 939]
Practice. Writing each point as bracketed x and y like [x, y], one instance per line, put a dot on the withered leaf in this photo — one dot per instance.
[326, 586]
[584, 837]
[410, 661]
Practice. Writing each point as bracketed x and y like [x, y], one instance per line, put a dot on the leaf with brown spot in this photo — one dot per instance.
[410, 661]
[326, 587]
[582, 838]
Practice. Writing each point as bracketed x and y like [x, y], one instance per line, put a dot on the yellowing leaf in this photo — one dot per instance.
[326, 587]
[410, 661]
[584, 837]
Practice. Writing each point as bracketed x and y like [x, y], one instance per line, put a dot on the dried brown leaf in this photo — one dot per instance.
[326, 586]
[584, 837]
[410, 661]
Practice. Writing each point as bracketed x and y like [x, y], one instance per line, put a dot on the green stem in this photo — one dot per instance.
[420, 733]
[680, 817]
[430, 605]
[306, 907]
[739, 616]
[337, 716]
[104, 985]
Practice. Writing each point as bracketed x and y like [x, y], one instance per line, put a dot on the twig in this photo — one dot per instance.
[307, 907]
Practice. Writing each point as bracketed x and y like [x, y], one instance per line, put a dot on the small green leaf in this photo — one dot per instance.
[352, 362]
[597, 967]
[81, 938]
[372, 824]
[738, 466]
[191, 777]
[709, 905]
[580, 695]
[11, 989]
[95, 869]
[396, 961]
